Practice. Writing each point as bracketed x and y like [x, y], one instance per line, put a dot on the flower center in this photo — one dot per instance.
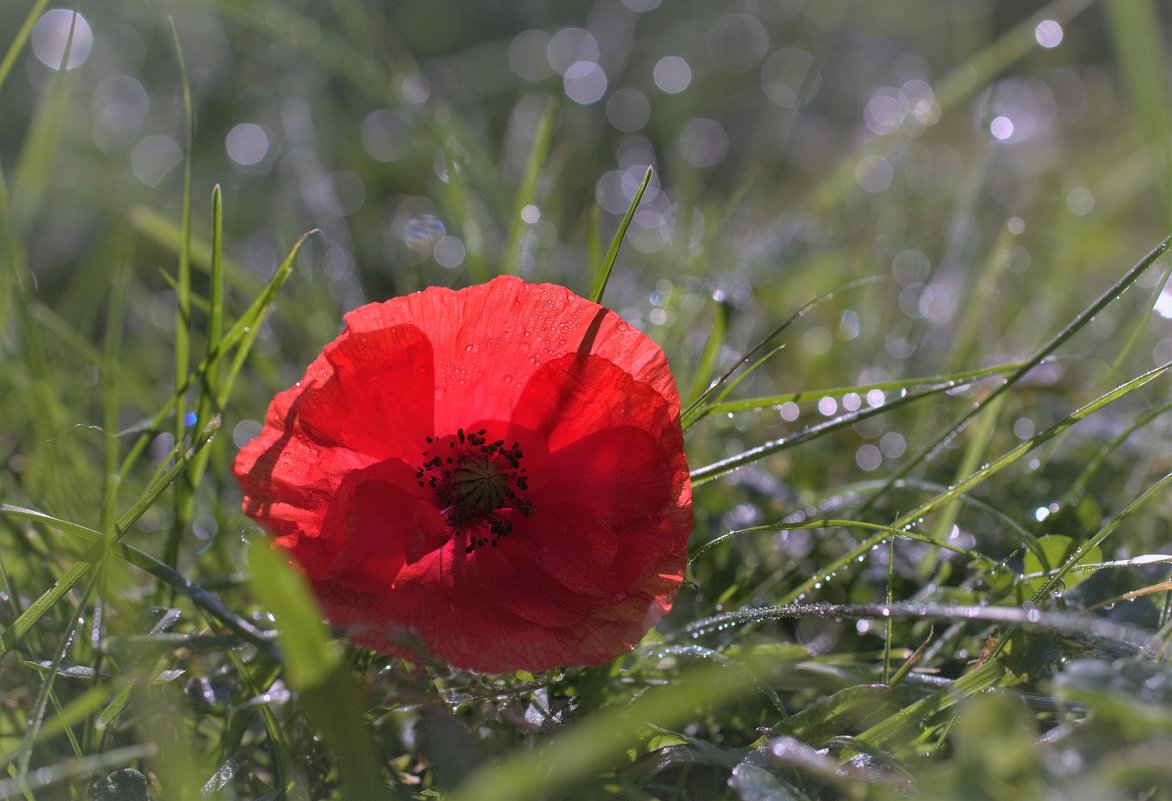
[478, 485]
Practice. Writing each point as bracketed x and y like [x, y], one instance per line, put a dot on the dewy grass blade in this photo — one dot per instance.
[979, 477]
[1079, 486]
[1076, 624]
[715, 470]
[929, 451]
[953, 380]
[612, 253]
[1152, 492]
[694, 407]
[976, 556]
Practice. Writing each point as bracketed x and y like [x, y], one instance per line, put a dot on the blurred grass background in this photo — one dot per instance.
[985, 169]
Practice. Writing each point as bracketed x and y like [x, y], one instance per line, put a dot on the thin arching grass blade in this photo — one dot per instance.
[953, 380]
[612, 253]
[930, 450]
[717, 469]
[711, 351]
[695, 409]
[976, 556]
[36, 717]
[1078, 487]
[979, 477]
[1153, 492]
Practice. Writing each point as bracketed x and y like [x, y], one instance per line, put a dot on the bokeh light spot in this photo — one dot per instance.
[247, 144]
[672, 74]
[628, 110]
[1080, 201]
[527, 55]
[153, 157]
[1048, 33]
[868, 457]
[1001, 127]
[569, 46]
[703, 143]
[874, 174]
[584, 82]
[386, 136]
[51, 33]
[448, 252]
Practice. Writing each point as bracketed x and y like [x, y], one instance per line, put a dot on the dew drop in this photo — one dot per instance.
[469, 347]
[508, 379]
[440, 392]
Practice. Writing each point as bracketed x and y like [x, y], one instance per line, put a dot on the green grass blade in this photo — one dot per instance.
[1138, 36]
[1079, 486]
[604, 739]
[929, 451]
[527, 193]
[38, 155]
[979, 477]
[309, 655]
[464, 211]
[162, 231]
[975, 556]
[709, 472]
[240, 336]
[712, 346]
[689, 416]
[144, 561]
[36, 716]
[21, 39]
[184, 489]
[612, 253]
[24, 623]
[952, 380]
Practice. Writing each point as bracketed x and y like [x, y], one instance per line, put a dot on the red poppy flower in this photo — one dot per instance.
[494, 476]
